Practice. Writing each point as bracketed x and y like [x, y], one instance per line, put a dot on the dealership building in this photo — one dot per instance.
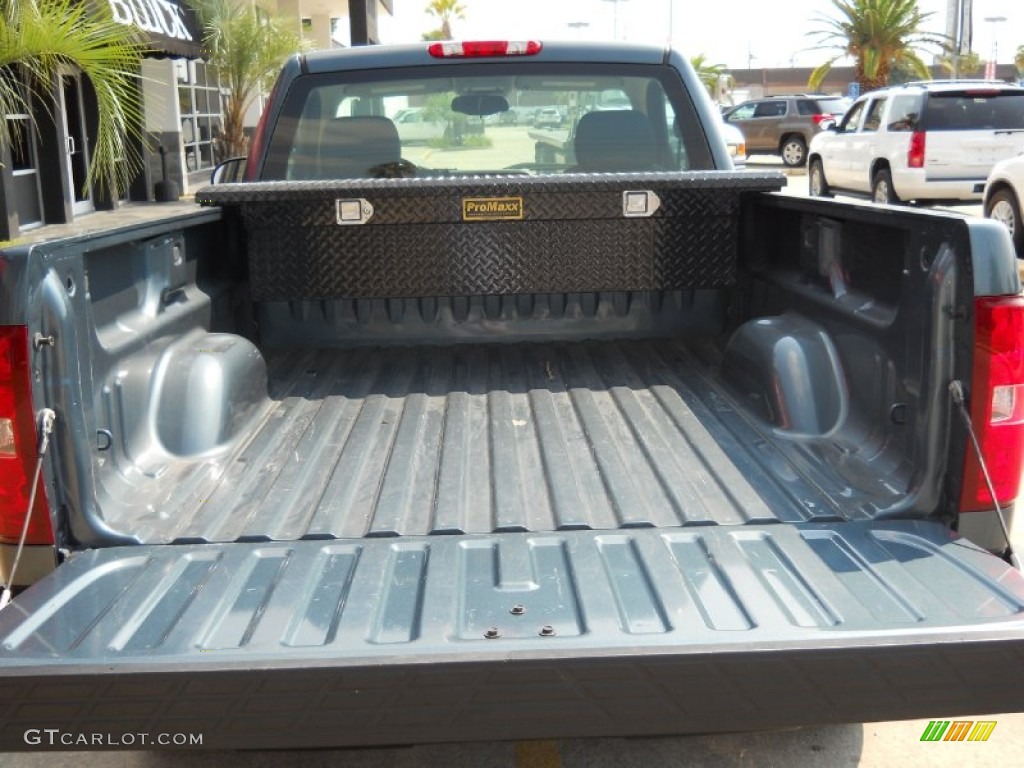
[43, 176]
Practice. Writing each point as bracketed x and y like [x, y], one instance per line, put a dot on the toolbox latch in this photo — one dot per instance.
[356, 211]
[639, 203]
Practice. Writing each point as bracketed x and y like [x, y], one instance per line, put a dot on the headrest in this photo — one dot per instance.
[616, 140]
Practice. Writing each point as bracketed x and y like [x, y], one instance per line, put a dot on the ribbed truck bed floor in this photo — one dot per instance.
[481, 439]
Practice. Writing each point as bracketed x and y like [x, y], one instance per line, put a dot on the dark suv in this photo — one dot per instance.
[785, 125]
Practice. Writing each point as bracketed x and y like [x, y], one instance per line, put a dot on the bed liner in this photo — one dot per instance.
[481, 439]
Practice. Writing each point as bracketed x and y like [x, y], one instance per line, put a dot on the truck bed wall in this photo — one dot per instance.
[834, 343]
[887, 297]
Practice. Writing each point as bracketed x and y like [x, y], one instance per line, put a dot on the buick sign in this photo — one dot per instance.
[161, 17]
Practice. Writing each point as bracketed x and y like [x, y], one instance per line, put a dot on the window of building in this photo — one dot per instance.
[22, 150]
[341, 32]
[25, 194]
[200, 100]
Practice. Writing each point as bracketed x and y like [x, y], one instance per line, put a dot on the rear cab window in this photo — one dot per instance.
[974, 110]
[467, 118]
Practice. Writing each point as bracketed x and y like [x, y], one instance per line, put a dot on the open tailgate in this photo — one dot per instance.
[515, 636]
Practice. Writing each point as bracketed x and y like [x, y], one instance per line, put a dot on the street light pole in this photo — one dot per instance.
[615, 17]
[959, 30]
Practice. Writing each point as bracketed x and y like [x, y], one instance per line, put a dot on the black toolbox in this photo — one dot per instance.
[465, 236]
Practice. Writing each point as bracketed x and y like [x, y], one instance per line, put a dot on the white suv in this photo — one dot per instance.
[1003, 196]
[930, 141]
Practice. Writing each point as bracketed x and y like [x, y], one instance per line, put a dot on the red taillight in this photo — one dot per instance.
[915, 155]
[259, 136]
[819, 119]
[481, 48]
[997, 402]
[18, 447]
[255, 147]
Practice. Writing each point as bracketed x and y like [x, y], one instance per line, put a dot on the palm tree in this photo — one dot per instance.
[709, 74]
[877, 34]
[966, 64]
[247, 46]
[446, 10]
[37, 38]
[1019, 60]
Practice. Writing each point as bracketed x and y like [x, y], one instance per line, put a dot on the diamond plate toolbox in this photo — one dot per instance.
[490, 235]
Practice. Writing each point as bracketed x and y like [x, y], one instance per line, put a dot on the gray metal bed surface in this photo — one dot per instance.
[482, 439]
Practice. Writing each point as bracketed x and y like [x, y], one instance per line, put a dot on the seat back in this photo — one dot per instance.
[616, 140]
[358, 147]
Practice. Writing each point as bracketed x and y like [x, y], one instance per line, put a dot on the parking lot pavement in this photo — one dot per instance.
[796, 185]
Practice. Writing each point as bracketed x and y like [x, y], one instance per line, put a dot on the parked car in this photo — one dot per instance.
[785, 125]
[737, 144]
[549, 117]
[928, 142]
[415, 125]
[1003, 194]
[506, 117]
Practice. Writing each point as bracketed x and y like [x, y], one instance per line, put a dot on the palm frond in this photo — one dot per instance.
[706, 72]
[818, 75]
[38, 38]
[247, 45]
[916, 65]
[876, 33]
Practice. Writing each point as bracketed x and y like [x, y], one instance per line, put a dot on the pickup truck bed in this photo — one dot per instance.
[569, 514]
[480, 439]
[459, 454]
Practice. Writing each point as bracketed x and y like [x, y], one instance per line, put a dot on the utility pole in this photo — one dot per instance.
[959, 30]
[615, 17]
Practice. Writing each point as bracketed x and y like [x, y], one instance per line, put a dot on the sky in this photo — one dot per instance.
[761, 33]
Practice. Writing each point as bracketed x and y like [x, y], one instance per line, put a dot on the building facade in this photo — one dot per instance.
[42, 180]
[782, 81]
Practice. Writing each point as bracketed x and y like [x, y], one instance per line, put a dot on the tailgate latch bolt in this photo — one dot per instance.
[492, 633]
[517, 610]
[39, 341]
[547, 631]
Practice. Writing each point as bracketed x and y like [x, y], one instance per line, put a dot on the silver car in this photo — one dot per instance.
[737, 144]
[549, 117]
